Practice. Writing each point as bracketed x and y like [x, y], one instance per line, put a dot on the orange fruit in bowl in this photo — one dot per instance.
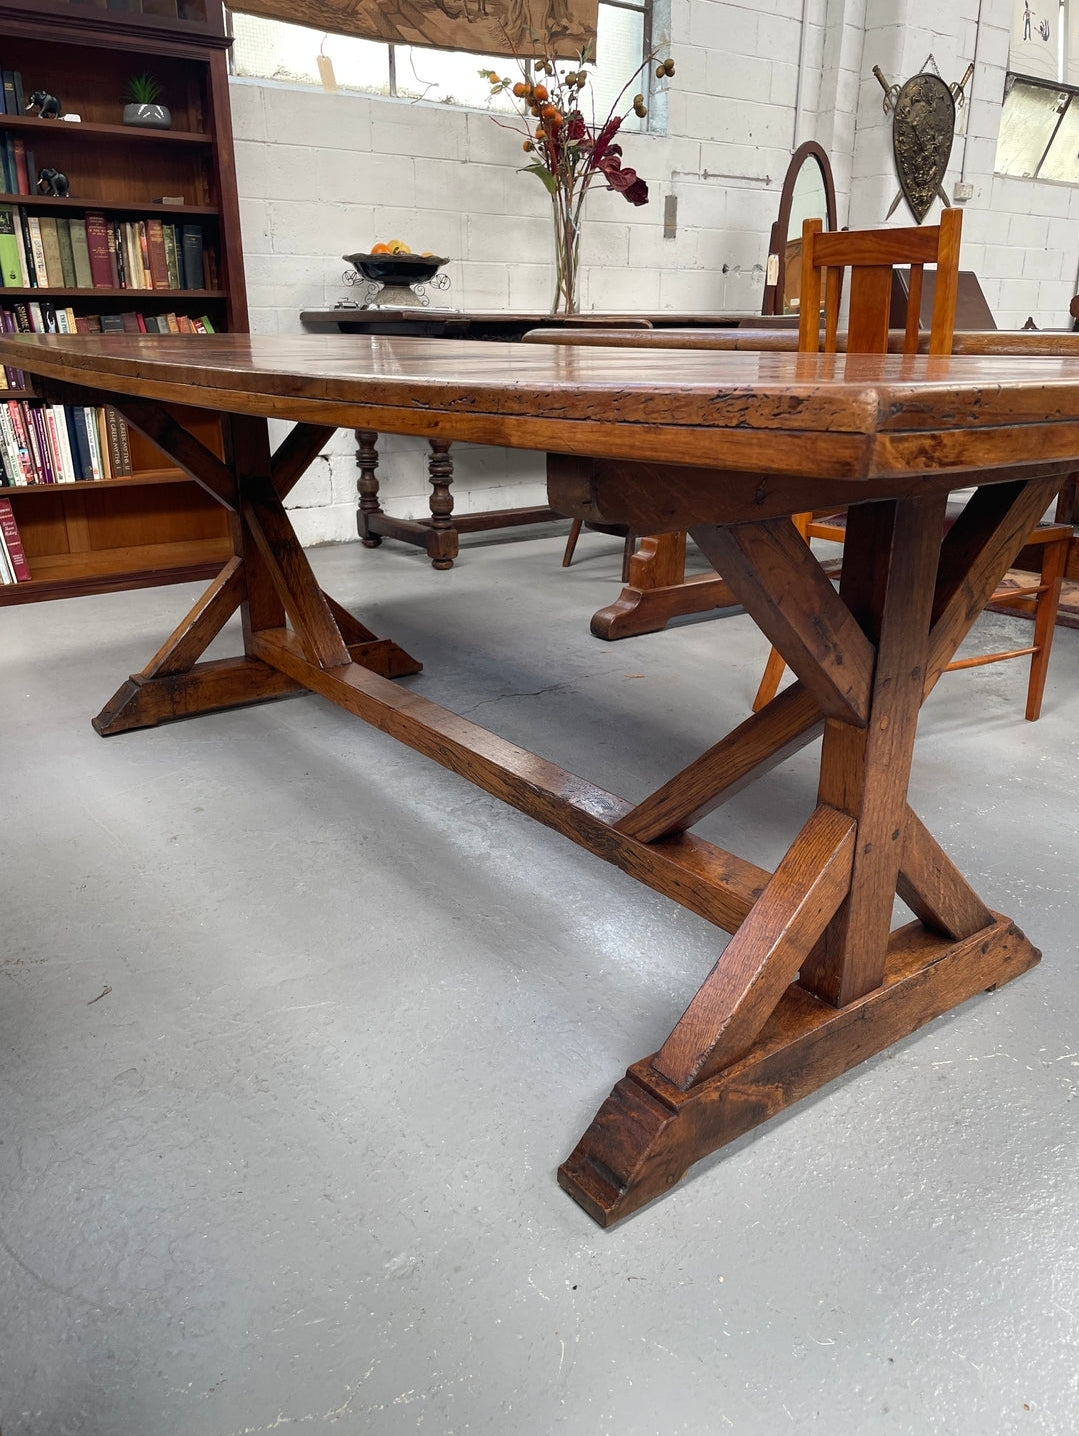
[380, 249]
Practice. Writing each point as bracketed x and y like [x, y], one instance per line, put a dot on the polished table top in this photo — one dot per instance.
[841, 416]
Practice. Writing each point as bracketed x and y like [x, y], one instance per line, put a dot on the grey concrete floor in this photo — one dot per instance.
[296, 1168]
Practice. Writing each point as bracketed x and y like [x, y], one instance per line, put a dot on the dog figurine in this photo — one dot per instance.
[53, 182]
[47, 106]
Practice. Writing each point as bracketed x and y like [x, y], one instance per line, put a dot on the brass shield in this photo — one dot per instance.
[923, 128]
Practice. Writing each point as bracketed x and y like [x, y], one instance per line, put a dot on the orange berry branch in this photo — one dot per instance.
[572, 151]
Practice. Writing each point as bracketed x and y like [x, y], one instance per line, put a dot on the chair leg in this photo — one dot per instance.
[773, 672]
[1054, 560]
[571, 542]
[627, 553]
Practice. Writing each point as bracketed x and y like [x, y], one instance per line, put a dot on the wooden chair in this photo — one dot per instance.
[871, 256]
[618, 530]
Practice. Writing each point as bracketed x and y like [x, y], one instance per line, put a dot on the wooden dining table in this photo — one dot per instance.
[813, 979]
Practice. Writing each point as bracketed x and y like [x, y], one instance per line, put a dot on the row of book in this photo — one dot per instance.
[11, 93]
[48, 252]
[17, 165]
[13, 565]
[43, 317]
[61, 443]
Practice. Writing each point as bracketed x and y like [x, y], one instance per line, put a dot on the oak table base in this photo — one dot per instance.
[811, 982]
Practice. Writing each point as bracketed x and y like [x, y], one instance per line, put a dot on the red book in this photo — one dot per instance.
[159, 264]
[9, 530]
[97, 241]
[22, 174]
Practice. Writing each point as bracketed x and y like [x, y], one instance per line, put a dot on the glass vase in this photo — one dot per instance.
[566, 214]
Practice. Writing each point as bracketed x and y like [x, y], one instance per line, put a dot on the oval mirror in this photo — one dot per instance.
[808, 193]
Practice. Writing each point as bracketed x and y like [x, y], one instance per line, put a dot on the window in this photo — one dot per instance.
[270, 49]
[1039, 130]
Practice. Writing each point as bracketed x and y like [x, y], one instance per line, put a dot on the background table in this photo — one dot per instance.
[438, 535]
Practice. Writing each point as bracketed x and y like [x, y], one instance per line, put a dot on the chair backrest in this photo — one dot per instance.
[870, 255]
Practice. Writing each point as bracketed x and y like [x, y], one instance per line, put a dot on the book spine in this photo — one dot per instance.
[172, 256]
[80, 250]
[103, 441]
[30, 434]
[26, 251]
[82, 443]
[7, 165]
[117, 263]
[16, 377]
[125, 445]
[22, 175]
[132, 257]
[22, 441]
[112, 428]
[52, 440]
[9, 249]
[38, 250]
[13, 542]
[7, 573]
[68, 411]
[50, 244]
[67, 253]
[66, 461]
[159, 264]
[90, 421]
[13, 458]
[97, 247]
[191, 249]
[143, 238]
[40, 433]
[11, 104]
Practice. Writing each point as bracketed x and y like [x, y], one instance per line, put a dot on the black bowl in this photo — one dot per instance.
[397, 268]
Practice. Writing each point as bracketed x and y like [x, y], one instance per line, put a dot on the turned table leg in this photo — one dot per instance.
[442, 539]
[367, 486]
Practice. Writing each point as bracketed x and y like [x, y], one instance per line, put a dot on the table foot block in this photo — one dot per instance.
[222, 683]
[647, 610]
[648, 1133]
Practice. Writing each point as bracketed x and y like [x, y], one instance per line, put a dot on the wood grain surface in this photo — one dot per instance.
[842, 416]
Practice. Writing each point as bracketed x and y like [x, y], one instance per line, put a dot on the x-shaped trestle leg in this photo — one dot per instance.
[813, 982]
[268, 579]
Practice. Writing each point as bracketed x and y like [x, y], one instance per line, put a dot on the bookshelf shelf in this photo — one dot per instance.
[132, 481]
[46, 203]
[31, 127]
[153, 525]
[170, 296]
[107, 570]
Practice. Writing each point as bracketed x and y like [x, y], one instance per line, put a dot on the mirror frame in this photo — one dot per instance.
[807, 152]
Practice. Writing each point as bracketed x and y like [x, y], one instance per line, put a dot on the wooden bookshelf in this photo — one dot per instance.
[155, 526]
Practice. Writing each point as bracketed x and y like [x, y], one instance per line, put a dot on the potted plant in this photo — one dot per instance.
[141, 107]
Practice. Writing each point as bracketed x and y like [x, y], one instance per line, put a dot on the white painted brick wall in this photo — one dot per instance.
[322, 175]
